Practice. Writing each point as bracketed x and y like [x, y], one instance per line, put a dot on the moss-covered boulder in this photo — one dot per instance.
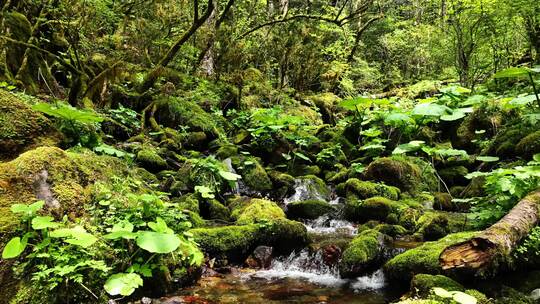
[176, 111]
[22, 128]
[311, 187]
[454, 175]
[150, 160]
[235, 243]
[252, 210]
[283, 184]
[375, 208]
[212, 209]
[59, 178]
[363, 254]
[365, 189]
[421, 284]
[408, 174]
[254, 175]
[443, 201]
[529, 145]
[433, 225]
[310, 209]
[422, 259]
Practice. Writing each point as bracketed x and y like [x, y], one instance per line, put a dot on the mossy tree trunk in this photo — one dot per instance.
[484, 253]
[151, 77]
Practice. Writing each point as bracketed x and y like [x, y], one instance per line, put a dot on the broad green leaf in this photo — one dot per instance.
[408, 147]
[397, 119]
[455, 115]
[76, 236]
[353, 104]
[123, 284]
[463, 298]
[205, 191]
[523, 100]
[44, 222]
[14, 248]
[536, 157]
[430, 109]
[302, 156]
[229, 175]
[512, 73]
[156, 242]
[122, 230]
[160, 226]
[28, 210]
[441, 292]
[487, 159]
[68, 112]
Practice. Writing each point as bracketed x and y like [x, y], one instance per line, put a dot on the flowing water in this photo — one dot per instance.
[301, 277]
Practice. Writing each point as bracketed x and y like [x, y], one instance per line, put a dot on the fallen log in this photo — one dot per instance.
[484, 253]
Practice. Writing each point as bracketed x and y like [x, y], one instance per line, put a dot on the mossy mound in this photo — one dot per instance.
[404, 173]
[211, 209]
[310, 209]
[365, 189]
[363, 253]
[249, 211]
[235, 243]
[253, 173]
[422, 284]
[443, 201]
[22, 128]
[283, 184]
[422, 259]
[313, 187]
[150, 160]
[175, 111]
[529, 145]
[375, 208]
[433, 225]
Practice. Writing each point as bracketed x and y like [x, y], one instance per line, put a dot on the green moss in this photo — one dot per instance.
[433, 225]
[362, 254]
[529, 145]
[302, 170]
[443, 201]
[285, 235]
[366, 189]
[211, 209]
[408, 174]
[422, 284]
[375, 208]
[422, 259]
[150, 160]
[391, 230]
[233, 243]
[283, 183]
[194, 140]
[254, 175]
[248, 211]
[22, 128]
[175, 111]
[226, 150]
[310, 209]
[453, 175]
[315, 186]
[187, 202]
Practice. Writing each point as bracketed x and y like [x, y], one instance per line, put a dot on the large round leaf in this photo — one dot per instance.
[156, 242]
[123, 284]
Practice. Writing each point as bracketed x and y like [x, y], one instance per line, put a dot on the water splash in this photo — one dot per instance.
[303, 265]
[305, 189]
[373, 281]
[327, 225]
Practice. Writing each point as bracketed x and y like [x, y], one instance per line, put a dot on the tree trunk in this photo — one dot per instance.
[484, 253]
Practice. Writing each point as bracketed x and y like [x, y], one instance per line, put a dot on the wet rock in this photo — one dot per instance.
[260, 258]
[310, 209]
[404, 173]
[150, 160]
[252, 210]
[331, 254]
[363, 254]
[375, 208]
[364, 189]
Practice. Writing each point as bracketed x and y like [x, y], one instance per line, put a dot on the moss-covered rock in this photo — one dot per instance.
[235, 243]
[365, 189]
[454, 175]
[253, 173]
[175, 111]
[433, 225]
[443, 201]
[22, 128]
[375, 208]
[310, 209]
[283, 184]
[391, 230]
[212, 209]
[363, 253]
[150, 160]
[312, 187]
[249, 211]
[422, 284]
[529, 145]
[422, 259]
[404, 173]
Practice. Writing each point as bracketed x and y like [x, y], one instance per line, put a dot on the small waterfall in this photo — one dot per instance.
[228, 164]
[304, 189]
[303, 265]
[327, 225]
[373, 281]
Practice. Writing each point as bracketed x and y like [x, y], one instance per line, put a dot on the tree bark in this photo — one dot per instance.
[484, 253]
[151, 78]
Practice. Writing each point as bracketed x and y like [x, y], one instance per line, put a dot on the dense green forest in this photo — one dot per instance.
[270, 151]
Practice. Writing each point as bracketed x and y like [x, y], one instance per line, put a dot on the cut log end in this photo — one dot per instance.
[472, 254]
